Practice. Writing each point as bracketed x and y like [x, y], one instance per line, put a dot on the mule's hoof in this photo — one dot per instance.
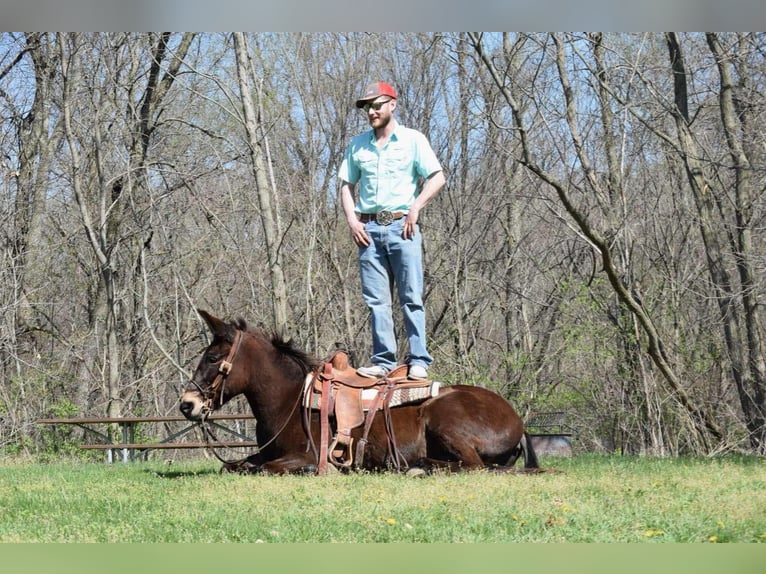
[416, 472]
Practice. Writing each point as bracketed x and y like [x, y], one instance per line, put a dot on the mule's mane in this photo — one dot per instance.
[284, 346]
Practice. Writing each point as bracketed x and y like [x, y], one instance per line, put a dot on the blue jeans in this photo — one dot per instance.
[389, 261]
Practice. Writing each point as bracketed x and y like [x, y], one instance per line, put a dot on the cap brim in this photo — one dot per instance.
[362, 101]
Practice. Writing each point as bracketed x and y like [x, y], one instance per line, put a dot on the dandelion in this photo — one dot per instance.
[713, 538]
[654, 532]
[391, 521]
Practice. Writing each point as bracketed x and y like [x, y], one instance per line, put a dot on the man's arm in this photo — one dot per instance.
[357, 227]
[431, 187]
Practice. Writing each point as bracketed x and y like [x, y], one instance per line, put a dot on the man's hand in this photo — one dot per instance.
[410, 222]
[359, 234]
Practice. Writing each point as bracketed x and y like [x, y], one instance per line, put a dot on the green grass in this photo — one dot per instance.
[592, 499]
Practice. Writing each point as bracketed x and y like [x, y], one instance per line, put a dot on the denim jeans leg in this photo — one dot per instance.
[377, 287]
[406, 259]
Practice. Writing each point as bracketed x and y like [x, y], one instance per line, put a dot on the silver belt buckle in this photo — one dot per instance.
[384, 217]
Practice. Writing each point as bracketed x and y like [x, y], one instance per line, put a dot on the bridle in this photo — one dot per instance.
[224, 368]
[223, 371]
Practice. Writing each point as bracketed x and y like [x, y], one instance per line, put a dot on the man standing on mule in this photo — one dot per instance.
[397, 174]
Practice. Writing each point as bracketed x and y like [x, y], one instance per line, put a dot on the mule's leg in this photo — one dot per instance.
[430, 465]
[251, 464]
[289, 464]
[293, 463]
[450, 450]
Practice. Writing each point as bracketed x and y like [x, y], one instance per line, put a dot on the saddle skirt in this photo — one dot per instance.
[338, 391]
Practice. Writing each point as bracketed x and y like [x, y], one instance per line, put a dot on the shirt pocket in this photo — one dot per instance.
[367, 161]
[398, 161]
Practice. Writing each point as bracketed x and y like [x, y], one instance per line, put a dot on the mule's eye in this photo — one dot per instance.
[212, 359]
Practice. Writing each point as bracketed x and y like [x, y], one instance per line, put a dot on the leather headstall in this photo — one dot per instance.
[224, 369]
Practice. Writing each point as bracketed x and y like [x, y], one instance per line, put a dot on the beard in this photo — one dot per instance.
[381, 121]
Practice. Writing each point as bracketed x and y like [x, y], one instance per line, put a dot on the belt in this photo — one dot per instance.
[382, 217]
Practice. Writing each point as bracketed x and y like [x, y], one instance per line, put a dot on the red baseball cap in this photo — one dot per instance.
[375, 90]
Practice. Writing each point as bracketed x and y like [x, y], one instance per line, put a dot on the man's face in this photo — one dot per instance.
[380, 111]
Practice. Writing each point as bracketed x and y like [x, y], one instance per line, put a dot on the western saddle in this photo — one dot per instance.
[351, 400]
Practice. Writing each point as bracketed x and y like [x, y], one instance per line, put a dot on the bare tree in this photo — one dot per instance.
[34, 140]
[738, 306]
[104, 207]
[701, 420]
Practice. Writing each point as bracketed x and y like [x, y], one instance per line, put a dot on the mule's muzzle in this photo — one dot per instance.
[193, 406]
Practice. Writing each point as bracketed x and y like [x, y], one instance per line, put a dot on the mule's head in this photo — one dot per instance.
[219, 376]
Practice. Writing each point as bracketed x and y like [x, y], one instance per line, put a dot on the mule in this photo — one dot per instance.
[463, 427]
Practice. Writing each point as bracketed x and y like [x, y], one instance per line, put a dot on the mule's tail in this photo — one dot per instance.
[530, 457]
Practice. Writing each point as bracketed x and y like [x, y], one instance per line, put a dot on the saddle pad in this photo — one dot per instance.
[406, 393]
[403, 393]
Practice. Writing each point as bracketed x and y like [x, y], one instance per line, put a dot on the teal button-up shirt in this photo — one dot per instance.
[388, 177]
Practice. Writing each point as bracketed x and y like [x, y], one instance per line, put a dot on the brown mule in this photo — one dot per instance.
[464, 427]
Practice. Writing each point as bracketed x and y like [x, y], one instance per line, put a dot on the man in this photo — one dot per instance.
[397, 174]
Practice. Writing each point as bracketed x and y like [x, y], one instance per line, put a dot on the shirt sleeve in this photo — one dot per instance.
[427, 162]
[349, 170]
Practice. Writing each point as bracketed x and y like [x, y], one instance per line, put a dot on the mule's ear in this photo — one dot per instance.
[217, 327]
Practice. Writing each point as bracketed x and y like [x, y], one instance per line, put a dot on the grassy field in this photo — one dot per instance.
[591, 499]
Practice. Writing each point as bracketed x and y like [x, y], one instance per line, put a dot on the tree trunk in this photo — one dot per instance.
[751, 382]
[263, 185]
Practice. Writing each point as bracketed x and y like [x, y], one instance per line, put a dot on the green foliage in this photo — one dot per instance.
[591, 499]
[59, 440]
[63, 408]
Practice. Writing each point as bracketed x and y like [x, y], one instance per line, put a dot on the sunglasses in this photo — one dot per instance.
[375, 105]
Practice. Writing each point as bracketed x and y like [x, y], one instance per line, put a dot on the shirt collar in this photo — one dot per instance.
[394, 134]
